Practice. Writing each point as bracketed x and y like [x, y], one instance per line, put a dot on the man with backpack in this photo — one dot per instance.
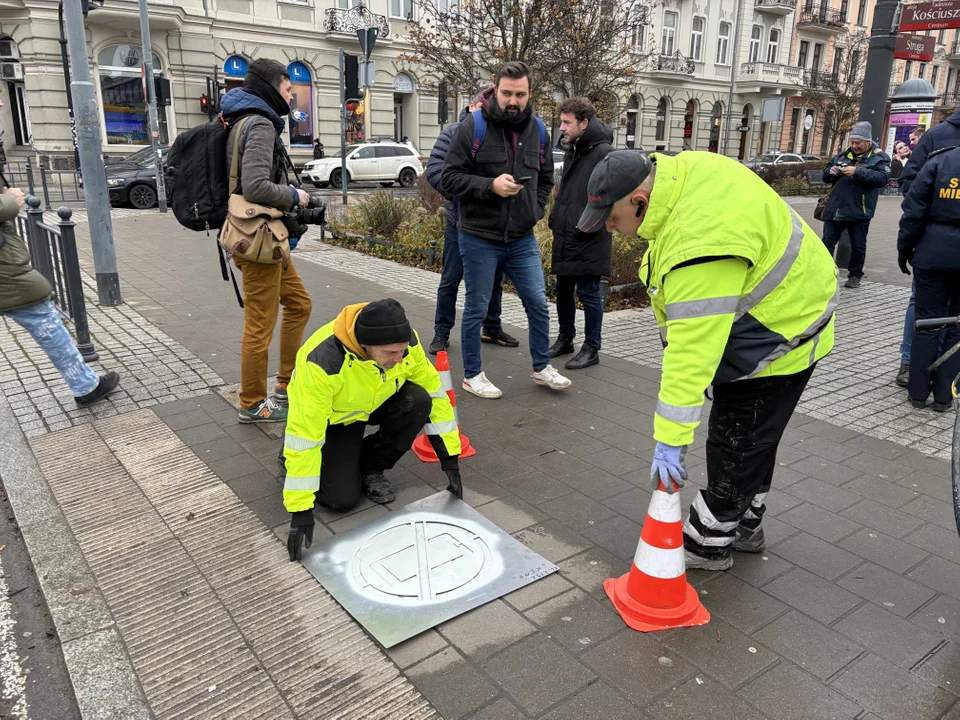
[265, 97]
[452, 275]
[500, 166]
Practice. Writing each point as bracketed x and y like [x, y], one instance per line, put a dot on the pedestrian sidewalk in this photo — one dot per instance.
[165, 573]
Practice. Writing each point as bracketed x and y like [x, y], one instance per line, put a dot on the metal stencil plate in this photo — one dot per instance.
[415, 568]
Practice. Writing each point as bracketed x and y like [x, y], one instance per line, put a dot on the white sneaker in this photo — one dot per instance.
[483, 388]
[551, 378]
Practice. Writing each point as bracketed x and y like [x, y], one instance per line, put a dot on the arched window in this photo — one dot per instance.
[125, 114]
[716, 118]
[301, 108]
[696, 39]
[773, 46]
[756, 37]
[662, 109]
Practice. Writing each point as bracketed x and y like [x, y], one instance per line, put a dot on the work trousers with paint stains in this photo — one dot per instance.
[746, 423]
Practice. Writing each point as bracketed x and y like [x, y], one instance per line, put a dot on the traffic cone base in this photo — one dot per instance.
[424, 450]
[648, 619]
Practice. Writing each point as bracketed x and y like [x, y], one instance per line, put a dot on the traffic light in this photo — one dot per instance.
[442, 109]
[205, 104]
[351, 78]
[161, 86]
[351, 106]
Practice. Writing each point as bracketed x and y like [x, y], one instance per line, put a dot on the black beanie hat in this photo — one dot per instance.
[383, 322]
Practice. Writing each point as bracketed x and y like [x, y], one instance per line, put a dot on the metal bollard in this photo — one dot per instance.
[432, 252]
[37, 238]
[71, 268]
[30, 181]
[46, 190]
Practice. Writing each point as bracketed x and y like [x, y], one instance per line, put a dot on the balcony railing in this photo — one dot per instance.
[357, 18]
[771, 73]
[950, 100]
[822, 16]
[675, 63]
[954, 52]
[819, 78]
[780, 7]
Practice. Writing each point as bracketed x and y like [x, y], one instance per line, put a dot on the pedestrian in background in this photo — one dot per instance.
[579, 259]
[317, 149]
[857, 175]
[929, 240]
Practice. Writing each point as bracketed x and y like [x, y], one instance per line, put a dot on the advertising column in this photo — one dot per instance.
[911, 111]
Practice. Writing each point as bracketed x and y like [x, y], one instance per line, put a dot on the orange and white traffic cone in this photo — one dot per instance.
[422, 446]
[655, 594]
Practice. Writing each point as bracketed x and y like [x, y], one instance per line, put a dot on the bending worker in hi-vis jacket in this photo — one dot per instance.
[744, 293]
[367, 367]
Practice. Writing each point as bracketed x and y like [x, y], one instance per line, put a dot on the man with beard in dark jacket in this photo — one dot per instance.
[265, 97]
[579, 258]
[502, 175]
[452, 274]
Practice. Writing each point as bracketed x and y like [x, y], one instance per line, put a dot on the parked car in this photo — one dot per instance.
[133, 180]
[769, 159]
[383, 162]
[812, 158]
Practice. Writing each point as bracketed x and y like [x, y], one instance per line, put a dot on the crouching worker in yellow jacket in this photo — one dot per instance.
[744, 294]
[367, 367]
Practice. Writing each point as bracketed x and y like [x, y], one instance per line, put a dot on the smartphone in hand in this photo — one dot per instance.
[523, 180]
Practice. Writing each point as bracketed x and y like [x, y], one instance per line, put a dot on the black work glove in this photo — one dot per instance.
[456, 485]
[902, 261]
[301, 533]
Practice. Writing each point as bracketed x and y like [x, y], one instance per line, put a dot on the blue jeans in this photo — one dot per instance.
[520, 261]
[588, 290]
[908, 318]
[450, 285]
[857, 230]
[44, 324]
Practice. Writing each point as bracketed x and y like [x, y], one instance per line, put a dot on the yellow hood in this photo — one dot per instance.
[345, 326]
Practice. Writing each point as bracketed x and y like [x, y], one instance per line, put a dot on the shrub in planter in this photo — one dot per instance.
[382, 212]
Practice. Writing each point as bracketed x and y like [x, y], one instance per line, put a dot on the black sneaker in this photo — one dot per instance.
[903, 374]
[585, 358]
[852, 282]
[499, 337]
[378, 488]
[108, 383]
[941, 406]
[439, 343]
[563, 346]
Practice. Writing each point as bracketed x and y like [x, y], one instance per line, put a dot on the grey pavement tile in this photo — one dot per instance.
[935, 486]
[819, 522]
[883, 491]
[178, 407]
[262, 446]
[184, 420]
[744, 607]
[822, 494]
[889, 636]
[882, 518]
[499, 467]
[873, 447]
[257, 485]
[878, 467]
[579, 444]
[828, 430]
[576, 620]
[786, 692]
[817, 556]
[932, 510]
[939, 574]
[898, 594]
[270, 510]
[416, 648]
[936, 540]
[776, 531]
[599, 700]
[884, 550]
[218, 449]
[477, 489]
[638, 665]
[942, 667]
[617, 462]
[618, 535]
[561, 464]
[552, 540]
[519, 670]
[701, 697]
[779, 502]
[577, 510]
[597, 484]
[500, 709]
[892, 692]
[784, 477]
[759, 568]
[817, 649]
[589, 569]
[825, 470]
[536, 487]
[818, 598]
[348, 522]
[233, 467]
[538, 592]
[511, 514]
[486, 630]
[452, 684]
[722, 651]
[524, 446]
[941, 616]
[829, 447]
[632, 504]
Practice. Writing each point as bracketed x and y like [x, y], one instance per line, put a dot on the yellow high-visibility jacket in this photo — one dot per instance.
[740, 285]
[334, 383]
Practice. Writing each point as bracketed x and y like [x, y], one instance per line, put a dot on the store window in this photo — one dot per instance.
[662, 120]
[125, 114]
[716, 117]
[301, 107]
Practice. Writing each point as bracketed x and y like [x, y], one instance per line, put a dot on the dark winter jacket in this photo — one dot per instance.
[262, 176]
[855, 198]
[943, 135]
[575, 252]
[20, 285]
[930, 224]
[483, 213]
[435, 165]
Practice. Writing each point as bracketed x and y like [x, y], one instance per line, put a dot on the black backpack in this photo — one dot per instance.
[197, 176]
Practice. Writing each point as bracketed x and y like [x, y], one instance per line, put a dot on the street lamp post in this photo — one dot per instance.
[66, 80]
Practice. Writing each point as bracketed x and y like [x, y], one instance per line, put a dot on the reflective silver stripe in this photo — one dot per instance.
[715, 541]
[679, 414]
[309, 482]
[440, 428]
[702, 308]
[441, 393]
[293, 442]
[707, 519]
[777, 273]
[813, 349]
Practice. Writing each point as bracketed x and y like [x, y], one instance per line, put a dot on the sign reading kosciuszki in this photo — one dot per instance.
[937, 15]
